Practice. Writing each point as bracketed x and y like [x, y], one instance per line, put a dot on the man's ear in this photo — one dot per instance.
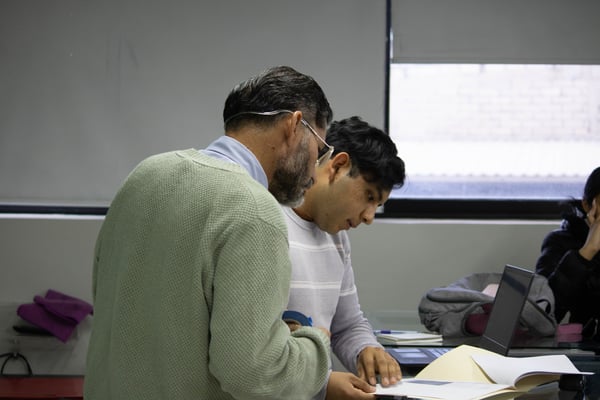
[338, 165]
[293, 129]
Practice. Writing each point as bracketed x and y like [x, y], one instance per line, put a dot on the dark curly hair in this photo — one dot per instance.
[372, 152]
[591, 189]
[592, 186]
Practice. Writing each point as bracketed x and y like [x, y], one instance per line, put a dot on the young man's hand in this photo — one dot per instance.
[293, 325]
[375, 360]
[344, 385]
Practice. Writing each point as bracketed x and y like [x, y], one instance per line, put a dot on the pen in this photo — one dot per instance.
[390, 331]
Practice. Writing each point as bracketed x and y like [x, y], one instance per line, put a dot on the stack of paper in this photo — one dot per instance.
[407, 338]
[471, 373]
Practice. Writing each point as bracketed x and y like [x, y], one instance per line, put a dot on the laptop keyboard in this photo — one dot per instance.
[439, 351]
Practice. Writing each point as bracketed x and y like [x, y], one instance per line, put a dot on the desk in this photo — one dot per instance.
[41, 387]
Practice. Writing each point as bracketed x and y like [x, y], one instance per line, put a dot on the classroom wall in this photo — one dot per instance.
[395, 262]
[89, 89]
[340, 42]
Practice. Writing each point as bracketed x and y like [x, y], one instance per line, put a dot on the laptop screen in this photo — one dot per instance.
[510, 298]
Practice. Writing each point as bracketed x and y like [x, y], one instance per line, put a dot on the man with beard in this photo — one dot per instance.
[191, 267]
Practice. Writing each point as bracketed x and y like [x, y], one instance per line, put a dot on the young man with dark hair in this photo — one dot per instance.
[348, 189]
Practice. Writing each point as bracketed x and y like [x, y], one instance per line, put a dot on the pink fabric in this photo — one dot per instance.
[569, 329]
[569, 332]
[56, 312]
[476, 322]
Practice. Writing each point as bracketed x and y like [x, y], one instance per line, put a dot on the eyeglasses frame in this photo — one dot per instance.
[322, 159]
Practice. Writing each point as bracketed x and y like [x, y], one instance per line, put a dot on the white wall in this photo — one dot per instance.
[37, 254]
[395, 262]
[89, 89]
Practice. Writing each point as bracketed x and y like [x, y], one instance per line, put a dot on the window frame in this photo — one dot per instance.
[465, 209]
[51, 209]
[468, 209]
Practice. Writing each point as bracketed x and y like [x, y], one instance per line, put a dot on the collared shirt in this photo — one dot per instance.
[229, 149]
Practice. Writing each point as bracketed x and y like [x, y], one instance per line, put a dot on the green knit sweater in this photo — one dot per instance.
[191, 275]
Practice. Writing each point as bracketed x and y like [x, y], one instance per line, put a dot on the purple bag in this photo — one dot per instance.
[56, 312]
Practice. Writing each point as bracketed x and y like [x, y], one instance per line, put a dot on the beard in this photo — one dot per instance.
[292, 177]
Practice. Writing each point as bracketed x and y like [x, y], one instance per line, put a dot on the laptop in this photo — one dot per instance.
[499, 331]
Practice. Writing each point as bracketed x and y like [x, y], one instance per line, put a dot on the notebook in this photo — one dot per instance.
[499, 331]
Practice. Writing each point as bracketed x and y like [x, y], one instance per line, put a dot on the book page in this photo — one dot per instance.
[411, 343]
[525, 373]
[401, 336]
[472, 364]
[441, 390]
[457, 365]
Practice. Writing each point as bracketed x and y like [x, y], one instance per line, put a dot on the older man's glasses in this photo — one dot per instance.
[325, 149]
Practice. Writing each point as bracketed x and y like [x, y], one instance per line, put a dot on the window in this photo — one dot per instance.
[496, 130]
[493, 127]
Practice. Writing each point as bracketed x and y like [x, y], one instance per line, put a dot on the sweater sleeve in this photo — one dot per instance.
[568, 281]
[351, 332]
[252, 353]
[554, 246]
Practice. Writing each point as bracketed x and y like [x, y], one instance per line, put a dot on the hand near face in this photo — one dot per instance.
[344, 385]
[592, 243]
[375, 360]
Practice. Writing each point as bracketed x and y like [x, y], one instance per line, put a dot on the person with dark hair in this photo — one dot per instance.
[570, 258]
[357, 179]
[191, 268]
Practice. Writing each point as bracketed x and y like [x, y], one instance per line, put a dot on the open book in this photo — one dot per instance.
[470, 373]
